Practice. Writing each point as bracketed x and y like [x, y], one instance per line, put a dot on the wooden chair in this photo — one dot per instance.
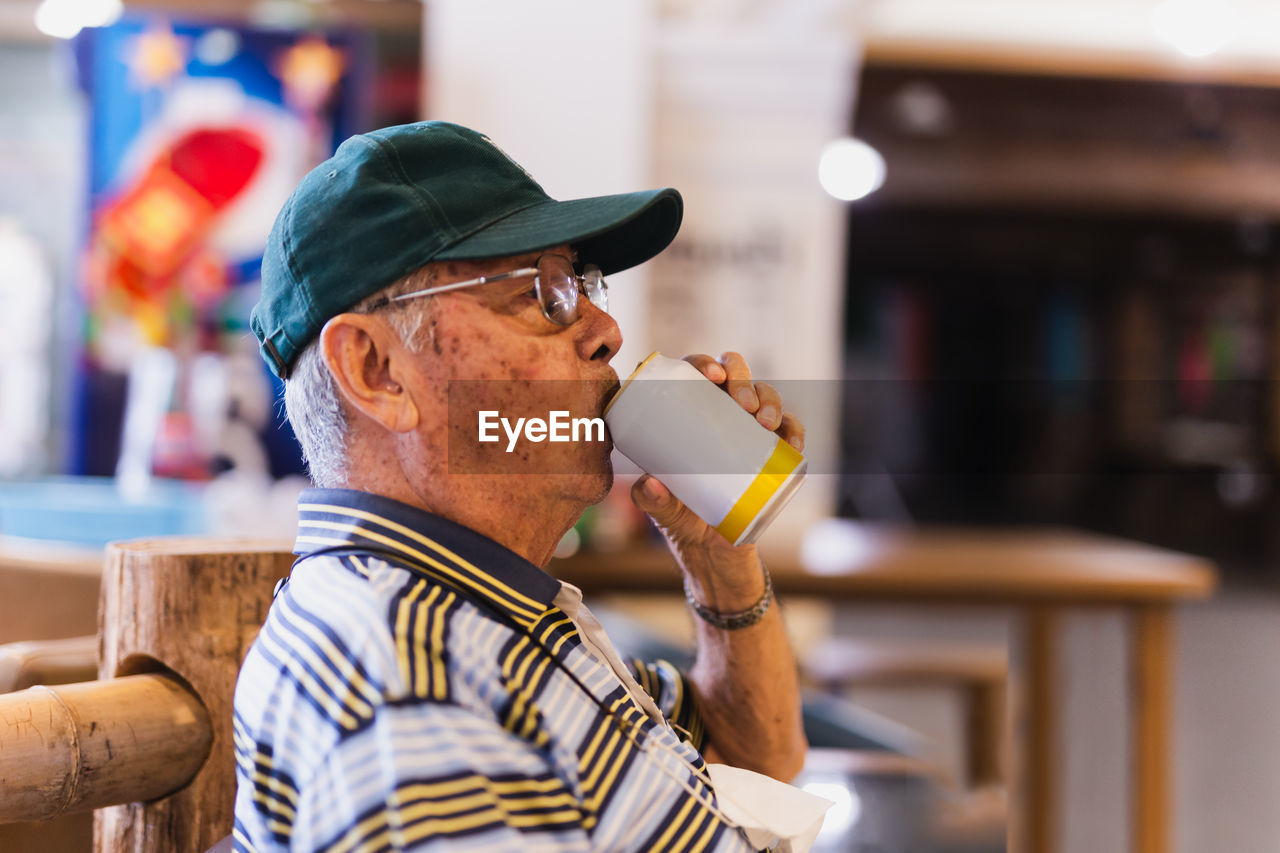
[978, 671]
[149, 743]
[975, 817]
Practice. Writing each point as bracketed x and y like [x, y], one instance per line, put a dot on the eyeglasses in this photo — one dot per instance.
[554, 281]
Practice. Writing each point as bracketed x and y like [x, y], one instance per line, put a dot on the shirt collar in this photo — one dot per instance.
[457, 556]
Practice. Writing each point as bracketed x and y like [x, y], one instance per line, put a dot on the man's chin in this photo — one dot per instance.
[607, 486]
[602, 481]
[587, 478]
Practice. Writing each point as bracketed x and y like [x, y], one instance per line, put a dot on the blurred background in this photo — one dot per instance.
[1020, 257]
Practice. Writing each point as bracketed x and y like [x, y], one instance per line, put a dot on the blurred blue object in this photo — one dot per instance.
[91, 511]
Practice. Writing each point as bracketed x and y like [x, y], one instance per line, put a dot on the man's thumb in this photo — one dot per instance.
[652, 497]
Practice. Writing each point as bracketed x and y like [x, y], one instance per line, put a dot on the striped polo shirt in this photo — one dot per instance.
[416, 686]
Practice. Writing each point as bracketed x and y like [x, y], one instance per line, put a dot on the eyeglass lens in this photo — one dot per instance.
[558, 289]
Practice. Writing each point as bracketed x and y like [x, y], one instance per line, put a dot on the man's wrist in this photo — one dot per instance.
[726, 583]
[732, 620]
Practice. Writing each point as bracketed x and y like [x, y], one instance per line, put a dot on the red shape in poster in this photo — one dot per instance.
[150, 230]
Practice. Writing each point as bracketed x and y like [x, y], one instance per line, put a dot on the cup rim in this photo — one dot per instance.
[616, 394]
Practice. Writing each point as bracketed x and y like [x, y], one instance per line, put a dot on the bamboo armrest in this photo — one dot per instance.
[24, 665]
[98, 743]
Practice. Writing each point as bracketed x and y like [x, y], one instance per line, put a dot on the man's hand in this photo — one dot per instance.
[745, 680]
[691, 538]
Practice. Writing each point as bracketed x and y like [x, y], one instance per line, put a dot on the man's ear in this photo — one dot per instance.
[366, 359]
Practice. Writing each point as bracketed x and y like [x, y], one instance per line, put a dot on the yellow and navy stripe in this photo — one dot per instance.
[326, 672]
[274, 793]
[687, 826]
[456, 806]
[420, 616]
[608, 752]
[327, 517]
[660, 678]
[427, 687]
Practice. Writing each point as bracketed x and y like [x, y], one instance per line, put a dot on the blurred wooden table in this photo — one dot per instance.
[1041, 572]
[47, 591]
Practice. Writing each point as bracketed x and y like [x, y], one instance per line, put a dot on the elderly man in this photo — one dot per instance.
[421, 681]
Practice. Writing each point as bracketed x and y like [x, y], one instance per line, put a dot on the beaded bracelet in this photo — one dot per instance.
[733, 621]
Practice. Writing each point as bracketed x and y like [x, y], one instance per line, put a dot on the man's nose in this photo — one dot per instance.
[600, 338]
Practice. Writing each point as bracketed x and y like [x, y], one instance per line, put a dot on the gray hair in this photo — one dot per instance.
[319, 417]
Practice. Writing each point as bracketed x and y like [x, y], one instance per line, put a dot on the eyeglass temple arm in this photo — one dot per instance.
[484, 279]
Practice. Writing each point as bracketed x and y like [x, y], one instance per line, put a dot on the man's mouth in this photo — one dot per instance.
[610, 388]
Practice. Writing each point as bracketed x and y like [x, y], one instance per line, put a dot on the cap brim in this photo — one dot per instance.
[613, 232]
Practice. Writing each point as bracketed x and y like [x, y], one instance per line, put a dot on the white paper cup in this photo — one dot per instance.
[680, 427]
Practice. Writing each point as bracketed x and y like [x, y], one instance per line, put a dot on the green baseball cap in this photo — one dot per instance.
[391, 201]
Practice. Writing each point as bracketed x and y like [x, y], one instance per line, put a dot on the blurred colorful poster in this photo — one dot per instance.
[197, 134]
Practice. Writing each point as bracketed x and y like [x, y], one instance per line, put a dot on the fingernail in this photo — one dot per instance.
[745, 397]
[768, 414]
[651, 488]
[794, 441]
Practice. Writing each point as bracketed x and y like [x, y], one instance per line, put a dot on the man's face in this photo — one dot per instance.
[490, 348]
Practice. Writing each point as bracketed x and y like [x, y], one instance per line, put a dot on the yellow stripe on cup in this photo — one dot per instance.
[779, 466]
